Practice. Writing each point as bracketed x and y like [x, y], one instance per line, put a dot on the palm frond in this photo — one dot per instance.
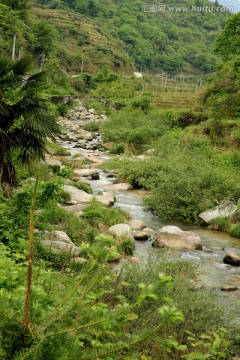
[35, 82]
[12, 73]
[36, 116]
[29, 145]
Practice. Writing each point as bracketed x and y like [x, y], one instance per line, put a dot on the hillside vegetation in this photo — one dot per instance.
[172, 134]
[83, 35]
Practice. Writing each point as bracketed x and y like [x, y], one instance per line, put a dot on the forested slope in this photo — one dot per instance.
[84, 35]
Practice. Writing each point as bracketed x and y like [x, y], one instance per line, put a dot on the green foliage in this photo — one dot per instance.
[188, 118]
[185, 176]
[220, 224]
[129, 127]
[174, 291]
[228, 43]
[105, 76]
[65, 172]
[126, 246]
[25, 123]
[170, 42]
[212, 345]
[142, 103]
[56, 149]
[222, 95]
[97, 214]
[92, 126]
[235, 231]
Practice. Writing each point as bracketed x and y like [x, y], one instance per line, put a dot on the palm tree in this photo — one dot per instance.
[25, 123]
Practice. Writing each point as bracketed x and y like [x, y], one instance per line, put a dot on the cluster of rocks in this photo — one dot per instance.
[72, 126]
[81, 113]
[134, 230]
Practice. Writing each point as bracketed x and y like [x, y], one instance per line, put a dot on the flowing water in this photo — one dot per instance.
[213, 272]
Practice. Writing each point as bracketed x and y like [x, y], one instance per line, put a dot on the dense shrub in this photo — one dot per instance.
[188, 118]
[235, 231]
[97, 214]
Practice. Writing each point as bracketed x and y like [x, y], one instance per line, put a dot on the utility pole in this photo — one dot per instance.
[14, 47]
[42, 63]
[176, 85]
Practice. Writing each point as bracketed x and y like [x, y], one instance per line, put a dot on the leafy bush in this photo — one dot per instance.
[97, 214]
[142, 103]
[92, 126]
[56, 149]
[188, 118]
[65, 172]
[129, 127]
[126, 245]
[235, 231]
[118, 149]
[220, 224]
[185, 176]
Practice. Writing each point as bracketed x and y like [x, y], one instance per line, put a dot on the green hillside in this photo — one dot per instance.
[82, 36]
[168, 41]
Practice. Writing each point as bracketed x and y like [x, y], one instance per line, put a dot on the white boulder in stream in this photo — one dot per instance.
[140, 235]
[92, 173]
[77, 195]
[232, 259]
[120, 230]
[222, 210]
[106, 198]
[136, 224]
[174, 238]
[118, 187]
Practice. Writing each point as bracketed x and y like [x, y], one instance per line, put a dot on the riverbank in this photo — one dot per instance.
[215, 274]
[79, 303]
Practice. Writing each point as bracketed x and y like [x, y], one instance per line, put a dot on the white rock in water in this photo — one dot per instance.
[137, 224]
[78, 195]
[107, 198]
[174, 238]
[118, 187]
[222, 210]
[120, 230]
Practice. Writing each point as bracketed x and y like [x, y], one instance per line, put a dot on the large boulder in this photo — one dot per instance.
[231, 259]
[61, 246]
[118, 187]
[107, 198]
[76, 209]
[121, 230]
[174, 238]
[222, 210]
[52, 162]
[61, 236]
[137, 224]
[77, 195]
[228, 288]
[92, 173]
[93, 159]
[60, 242]
[140, 235]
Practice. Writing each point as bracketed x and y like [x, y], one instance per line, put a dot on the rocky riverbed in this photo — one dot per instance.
[207, 248]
